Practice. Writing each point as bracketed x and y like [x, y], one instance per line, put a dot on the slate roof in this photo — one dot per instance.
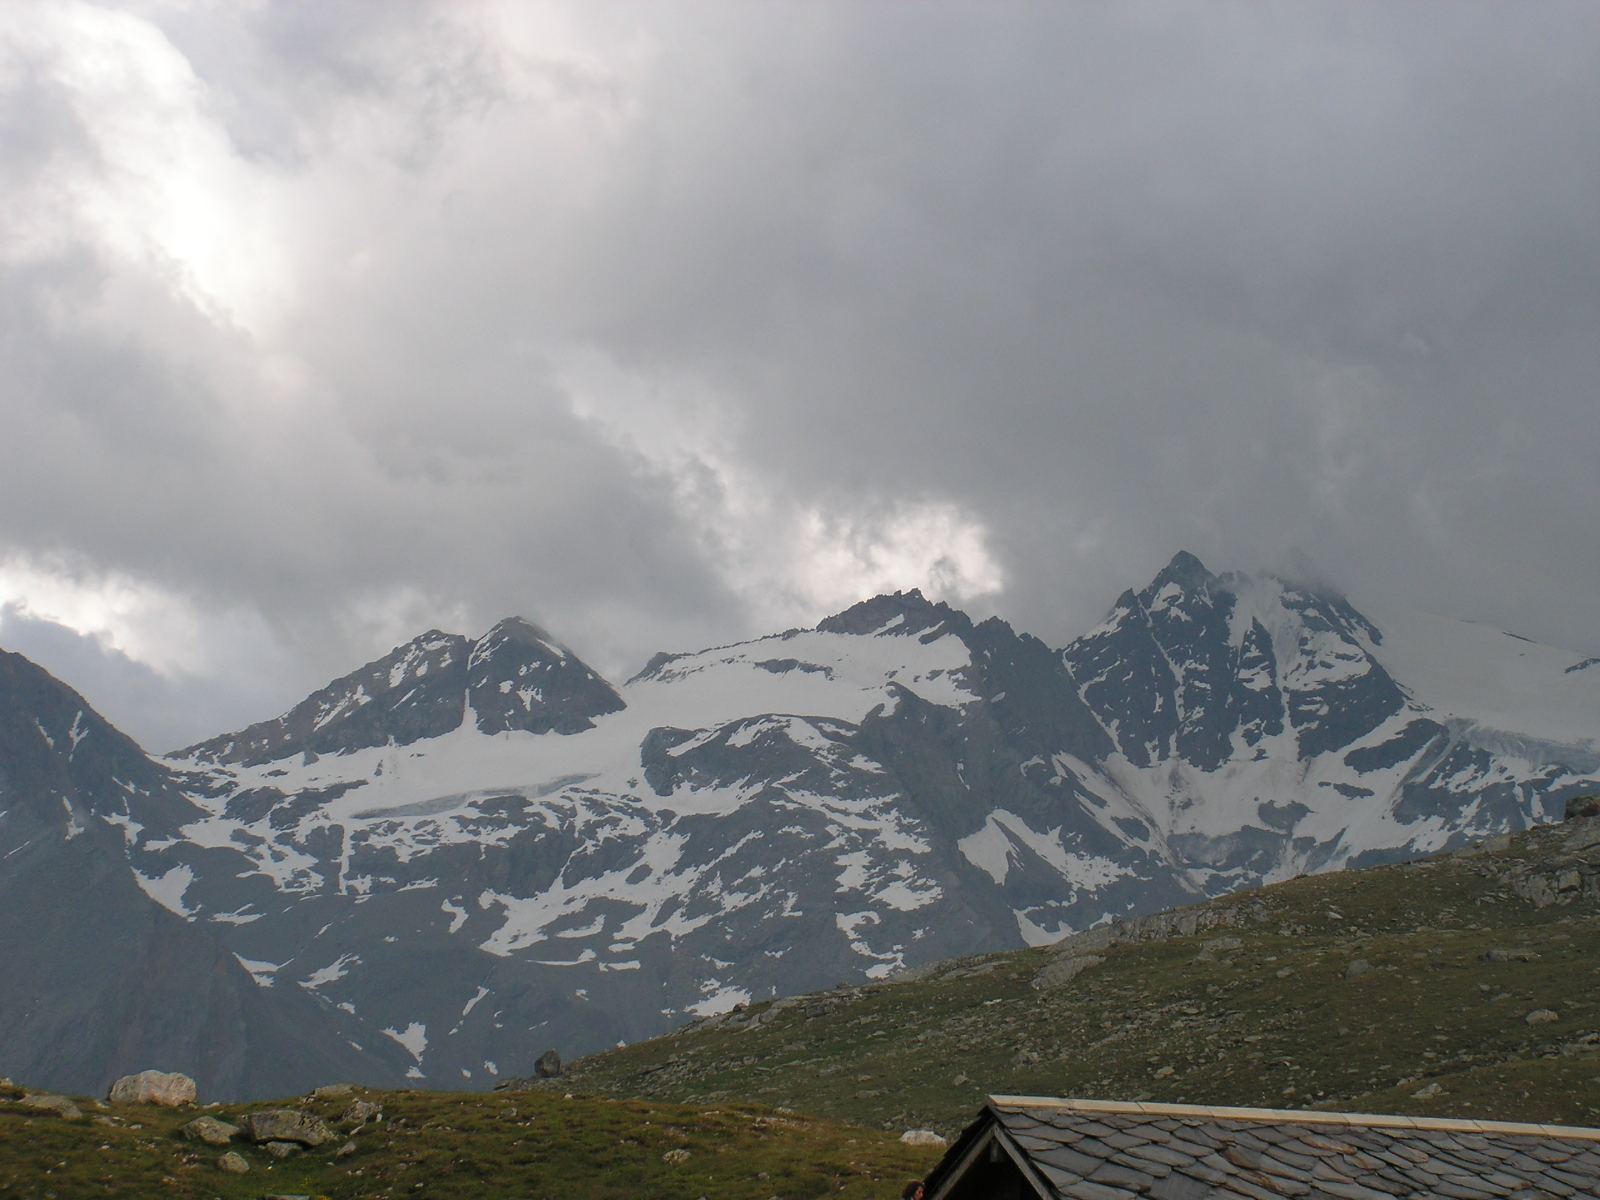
[1109, 1150]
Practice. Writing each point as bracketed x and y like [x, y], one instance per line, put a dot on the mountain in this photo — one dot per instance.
[472, 850]
[98, 977]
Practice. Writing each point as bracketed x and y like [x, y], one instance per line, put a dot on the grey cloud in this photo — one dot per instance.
[1253, 280]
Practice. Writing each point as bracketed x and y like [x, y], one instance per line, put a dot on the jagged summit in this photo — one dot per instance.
[902, 614]
[513, 677]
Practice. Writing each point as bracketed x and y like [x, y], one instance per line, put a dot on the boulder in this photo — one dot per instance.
[548, 1065]
[210, 1130]
[1357, 969]
[1512, 954]
[234, 1163]
[1064, 970]
[153, 1087]
[1580, 807]
[1542, 1016]
[335, 1091]
[284, 1149]
[362, 1111]
[285, 1125]
[1222, 945]
[62, 1106]
[922, 1137]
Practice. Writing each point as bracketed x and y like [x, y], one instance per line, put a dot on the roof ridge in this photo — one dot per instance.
[1298, 1115]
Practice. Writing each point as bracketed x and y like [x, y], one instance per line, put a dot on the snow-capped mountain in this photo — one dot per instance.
[470, 851]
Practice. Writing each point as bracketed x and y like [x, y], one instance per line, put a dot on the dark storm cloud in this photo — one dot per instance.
[667, 324]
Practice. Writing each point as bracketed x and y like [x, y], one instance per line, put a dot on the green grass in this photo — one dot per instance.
[1274, 1024]
[441, 1145]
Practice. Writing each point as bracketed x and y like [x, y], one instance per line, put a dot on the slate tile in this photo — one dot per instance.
[1084, 1190]
[1180, 1187]
[1068, 1159]
[1549, 1154]
[1125, 1141]
[1163, 1154]
[1126, 1159]
[1288, 1157]
[1114, 1175]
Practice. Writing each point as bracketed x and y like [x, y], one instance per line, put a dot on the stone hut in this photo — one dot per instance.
[1035, 1148]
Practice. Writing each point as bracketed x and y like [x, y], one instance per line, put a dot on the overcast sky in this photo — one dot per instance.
[668, 324]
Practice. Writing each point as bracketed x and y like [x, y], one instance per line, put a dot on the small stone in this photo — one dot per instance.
[335, 1091]
[362, 1111]
[960, 1081]
[1514, 954]
[284, 1149]
[345, 1151]
[210, 1130]
[1542, 1016]
[676, 1157]
[1427, 1093]
[1285, 972]
[153, 1087]
[1164, 1072]
[1357, 969]
[922, 1137]
[234, 1162]
[548, 1065]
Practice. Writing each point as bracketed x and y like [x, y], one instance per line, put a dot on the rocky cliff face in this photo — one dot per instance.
[98, 976]
[471, 851]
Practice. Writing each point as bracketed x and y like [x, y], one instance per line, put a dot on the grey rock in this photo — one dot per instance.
[168, 1088]
[362, 1111]
[210, 1130]
[1357, 968]
[1582, 808]
[285, 1125]
[334, 1091]
[1064, 970]
[1509, 954]
[234, 1163]
[548, 1065]
[62, 1106]
[1542, 1016]
[345, 1151]
[283, 1149]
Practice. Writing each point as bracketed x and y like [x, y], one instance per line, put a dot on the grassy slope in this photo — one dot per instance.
[441, 1145]
[1275, 1023]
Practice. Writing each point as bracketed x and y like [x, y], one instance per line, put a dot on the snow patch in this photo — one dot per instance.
[261, 972]
[414, 1039]
[167, 890]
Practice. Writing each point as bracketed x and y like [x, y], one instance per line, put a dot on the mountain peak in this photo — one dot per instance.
[900, 614]
[520, 629]
[1185, 570]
